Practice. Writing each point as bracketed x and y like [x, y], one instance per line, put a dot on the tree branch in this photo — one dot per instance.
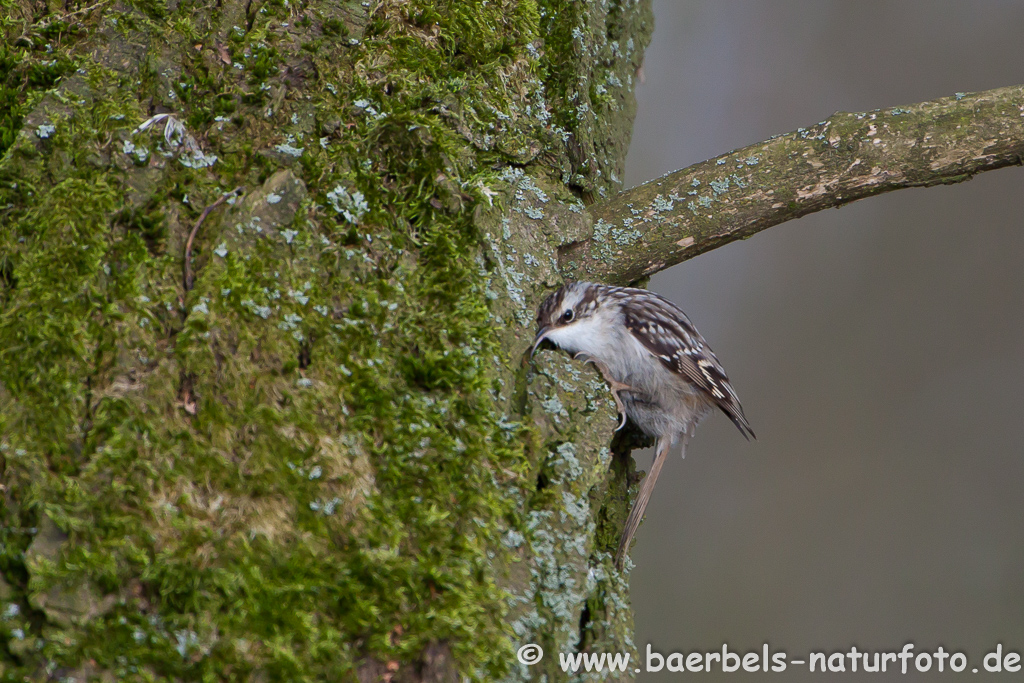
[845, 158]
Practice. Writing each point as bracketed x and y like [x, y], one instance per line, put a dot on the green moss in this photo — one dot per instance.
[22, 80]
[590, 57]
[302, 466]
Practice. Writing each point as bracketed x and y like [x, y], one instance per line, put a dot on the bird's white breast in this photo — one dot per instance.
[588, 335]
[604, 338]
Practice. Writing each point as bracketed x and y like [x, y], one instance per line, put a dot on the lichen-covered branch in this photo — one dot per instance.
[845, 158]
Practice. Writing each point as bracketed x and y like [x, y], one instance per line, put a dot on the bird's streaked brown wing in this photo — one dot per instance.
[668, 334]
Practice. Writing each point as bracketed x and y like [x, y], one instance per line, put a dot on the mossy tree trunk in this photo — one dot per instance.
[320, 456]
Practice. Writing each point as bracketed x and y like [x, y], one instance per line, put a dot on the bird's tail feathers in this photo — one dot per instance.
[643, 497]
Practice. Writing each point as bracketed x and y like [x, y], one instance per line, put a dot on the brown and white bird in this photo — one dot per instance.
[662, 373]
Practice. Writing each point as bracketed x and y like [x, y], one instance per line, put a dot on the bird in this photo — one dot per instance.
[662, 374]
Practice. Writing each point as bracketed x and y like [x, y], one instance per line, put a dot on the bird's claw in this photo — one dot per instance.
[615, 386]
[622, 423]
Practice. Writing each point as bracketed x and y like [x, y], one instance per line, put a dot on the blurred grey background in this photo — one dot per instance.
[878, 350]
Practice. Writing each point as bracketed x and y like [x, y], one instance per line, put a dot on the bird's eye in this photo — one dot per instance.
[567, 316]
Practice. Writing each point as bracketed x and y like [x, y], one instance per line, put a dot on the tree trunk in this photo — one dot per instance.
[268, 271]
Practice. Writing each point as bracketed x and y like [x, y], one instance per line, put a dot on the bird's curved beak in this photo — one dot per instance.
[542, 334]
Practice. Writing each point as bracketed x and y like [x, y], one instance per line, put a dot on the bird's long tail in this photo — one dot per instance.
[646, 489]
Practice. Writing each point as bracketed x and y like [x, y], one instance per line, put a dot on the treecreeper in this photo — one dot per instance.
[664, 377]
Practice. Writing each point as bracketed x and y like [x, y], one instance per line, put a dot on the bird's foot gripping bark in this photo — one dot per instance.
[613, 384]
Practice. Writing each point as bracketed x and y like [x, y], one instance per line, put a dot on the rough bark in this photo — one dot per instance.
[316, 453]
[840, 160]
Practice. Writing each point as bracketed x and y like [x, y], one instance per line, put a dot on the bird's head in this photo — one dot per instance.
[569, 307]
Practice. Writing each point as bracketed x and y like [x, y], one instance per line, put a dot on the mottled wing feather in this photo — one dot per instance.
[668, 334]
